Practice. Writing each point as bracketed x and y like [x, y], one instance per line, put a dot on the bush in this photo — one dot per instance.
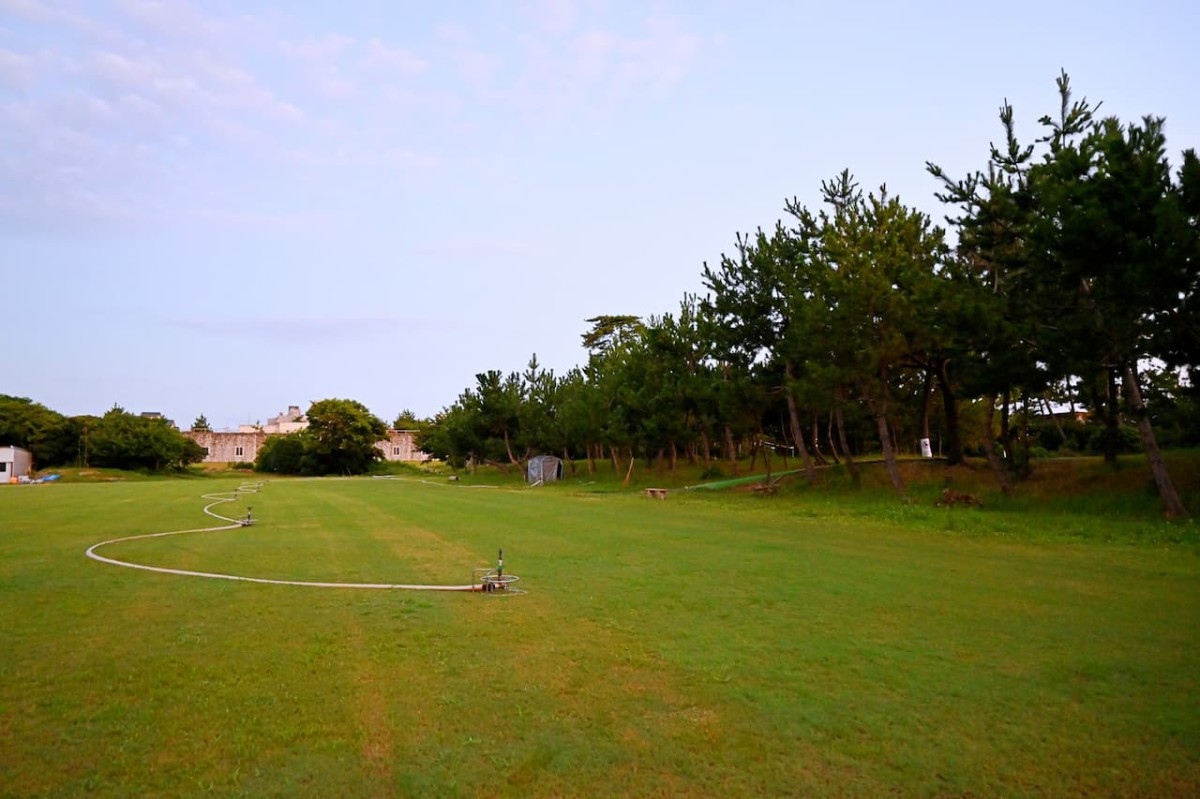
[1045, 434]
[282, 454]
[1128, 440]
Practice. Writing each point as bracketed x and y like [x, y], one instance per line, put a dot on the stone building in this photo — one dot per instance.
[228, 447]
[401, 445]
[242, 445]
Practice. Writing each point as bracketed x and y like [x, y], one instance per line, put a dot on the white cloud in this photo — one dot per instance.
[659, 59]
[477, 68]
[360, 157]
[555, 17]
[130, 106]
[397, 61]
[320, 48]
[27, 9]
[332, 83]
[177, 19]
[574, 59]
[16, 70]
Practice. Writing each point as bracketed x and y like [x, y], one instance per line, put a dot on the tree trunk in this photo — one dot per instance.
[706, 448]
[879, 411]
[851, 465]
[1026, 463]
[731, 449]
[889, 453]
[1166, 487]
[1053, 417]
[953, 442]
[989, 448]
[1004, 440]
[816, 437]
[629, 473]
[798, 436]
[797, 432]
[833, 450]
[508, 448]
[1112, 423]
[926, 396]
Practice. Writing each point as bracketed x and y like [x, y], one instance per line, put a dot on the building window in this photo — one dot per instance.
[3, 466]
[238, 452]
[395, 450]
[206, 452]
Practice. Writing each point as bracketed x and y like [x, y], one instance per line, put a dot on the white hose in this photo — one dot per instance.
[218, 499]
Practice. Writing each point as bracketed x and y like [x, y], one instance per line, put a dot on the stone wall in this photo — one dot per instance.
[228, 447]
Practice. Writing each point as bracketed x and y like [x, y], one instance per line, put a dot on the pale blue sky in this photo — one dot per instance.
[229, 207]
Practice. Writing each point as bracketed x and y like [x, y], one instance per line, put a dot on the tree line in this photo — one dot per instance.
[340, 439]
[858, 327]
[116, 440]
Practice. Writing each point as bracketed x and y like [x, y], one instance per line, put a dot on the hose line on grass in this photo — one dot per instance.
[222, 498]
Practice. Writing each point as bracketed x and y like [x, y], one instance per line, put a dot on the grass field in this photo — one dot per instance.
[713, 644]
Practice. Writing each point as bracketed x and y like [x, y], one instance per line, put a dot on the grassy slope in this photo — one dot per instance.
[804, 644]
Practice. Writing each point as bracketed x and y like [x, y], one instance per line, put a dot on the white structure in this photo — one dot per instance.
[544, 469]
[282, 424]
[14, 463]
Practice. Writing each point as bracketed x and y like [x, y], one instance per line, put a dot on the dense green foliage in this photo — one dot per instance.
[340, 439]
[282, 454]
[858, 328]
[121, 440]
[117, 440]
[1095, 247]
[53, 438]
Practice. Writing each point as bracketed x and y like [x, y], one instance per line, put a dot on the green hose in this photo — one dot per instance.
[757, 478]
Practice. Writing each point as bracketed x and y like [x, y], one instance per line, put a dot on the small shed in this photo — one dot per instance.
[543, 469]
[15, 463]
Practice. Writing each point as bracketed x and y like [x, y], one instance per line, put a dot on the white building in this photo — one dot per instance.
[282, 424]
[14, 463]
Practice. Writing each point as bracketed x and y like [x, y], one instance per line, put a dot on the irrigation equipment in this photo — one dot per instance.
[488, 580]
[493, 580]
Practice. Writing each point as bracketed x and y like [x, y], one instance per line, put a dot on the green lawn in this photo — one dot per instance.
[712, 644]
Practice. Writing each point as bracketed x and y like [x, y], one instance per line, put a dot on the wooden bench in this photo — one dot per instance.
[656, 493]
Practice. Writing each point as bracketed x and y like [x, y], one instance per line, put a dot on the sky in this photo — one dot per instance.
[226, 208]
